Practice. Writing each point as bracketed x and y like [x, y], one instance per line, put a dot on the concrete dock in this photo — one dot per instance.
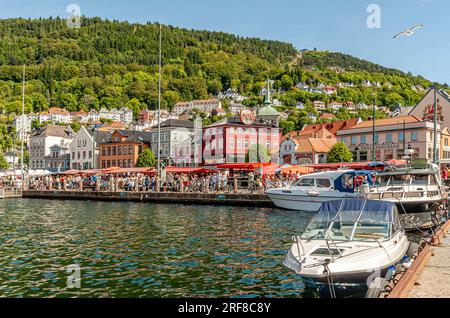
[429, 275]
[434, 279]
[257, 200]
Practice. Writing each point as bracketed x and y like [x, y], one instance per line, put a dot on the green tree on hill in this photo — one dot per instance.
[3, 163]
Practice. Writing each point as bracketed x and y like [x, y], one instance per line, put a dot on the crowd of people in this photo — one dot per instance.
[219, 182]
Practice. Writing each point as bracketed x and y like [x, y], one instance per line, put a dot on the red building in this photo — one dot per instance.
[230, 139]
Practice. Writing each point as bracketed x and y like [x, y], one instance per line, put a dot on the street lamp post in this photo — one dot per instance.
[435, 154]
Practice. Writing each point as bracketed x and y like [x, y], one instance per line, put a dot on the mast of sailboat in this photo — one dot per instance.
[159, 103]
[22, 130]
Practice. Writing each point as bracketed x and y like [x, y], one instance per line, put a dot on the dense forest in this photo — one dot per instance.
[114, 64]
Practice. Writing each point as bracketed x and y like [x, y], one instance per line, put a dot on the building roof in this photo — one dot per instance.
[268, 111]
[386, 122]
[55, 130]
[177, 123]
[316, 145]
[334, 127]
[114, 126]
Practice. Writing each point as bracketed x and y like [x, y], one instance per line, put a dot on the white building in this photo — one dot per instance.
[22, 124]
[123, 115]
[84, 153]
[43, 139]
[206, 106]
[173, 133]
[94, 115]
[55, 115]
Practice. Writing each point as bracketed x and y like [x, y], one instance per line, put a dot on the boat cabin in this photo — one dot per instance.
[354, 220]
[342, 181]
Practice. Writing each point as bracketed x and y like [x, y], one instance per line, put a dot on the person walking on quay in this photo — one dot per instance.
[158, 184]
[251, 178]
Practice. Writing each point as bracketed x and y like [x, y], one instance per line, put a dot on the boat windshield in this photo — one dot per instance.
[420, 180]
[305, 182]
[353, 223]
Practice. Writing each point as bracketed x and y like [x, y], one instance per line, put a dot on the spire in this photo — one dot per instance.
[267, 100]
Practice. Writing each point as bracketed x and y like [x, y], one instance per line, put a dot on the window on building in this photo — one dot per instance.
[109, 151]
[363, 156]
[90, 154]
[364, 139]
[84, 154]
[114, 150]
[239, 144]
[353, 140]
[114, 163]
[73, 155]
[119, 150]
[103, 151]
[414, 136]
[130, 164]
[125, 152]
[401, 136]
[231, 144]
[108, 163]
[343, 140]
[377, 138]
[130, 150]
[78, 154]
[389, 139]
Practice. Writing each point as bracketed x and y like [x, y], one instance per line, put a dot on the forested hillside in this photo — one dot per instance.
[114, 64]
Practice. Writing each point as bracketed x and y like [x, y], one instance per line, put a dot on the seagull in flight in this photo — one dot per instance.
[409, 31]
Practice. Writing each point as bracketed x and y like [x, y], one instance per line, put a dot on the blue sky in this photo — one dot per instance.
[336, 25]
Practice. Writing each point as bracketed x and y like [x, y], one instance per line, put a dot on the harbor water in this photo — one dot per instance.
[145, 250]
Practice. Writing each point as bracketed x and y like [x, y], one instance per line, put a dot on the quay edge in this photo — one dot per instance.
[231, 199]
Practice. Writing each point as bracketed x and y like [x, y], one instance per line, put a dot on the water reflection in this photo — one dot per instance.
[145, 250]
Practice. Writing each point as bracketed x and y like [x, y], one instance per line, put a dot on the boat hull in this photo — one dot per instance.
[302, 202]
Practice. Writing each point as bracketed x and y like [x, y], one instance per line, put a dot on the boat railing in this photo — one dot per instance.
[329, 249]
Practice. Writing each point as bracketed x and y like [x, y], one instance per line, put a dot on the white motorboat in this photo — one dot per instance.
[416, 192]
[348, 242]
[413, 190]
[311, 190]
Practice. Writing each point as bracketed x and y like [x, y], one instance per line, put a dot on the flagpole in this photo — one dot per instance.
[22, 130]
[159, 104]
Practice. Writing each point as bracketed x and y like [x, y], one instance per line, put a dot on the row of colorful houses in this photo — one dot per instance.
[412, 130]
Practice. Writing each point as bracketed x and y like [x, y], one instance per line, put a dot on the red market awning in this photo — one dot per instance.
[71, 172]
[110, 169]
[243, 166]
[270, 169]
[187, 170]
[91, 172]
[143, 170]
[297, 169]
